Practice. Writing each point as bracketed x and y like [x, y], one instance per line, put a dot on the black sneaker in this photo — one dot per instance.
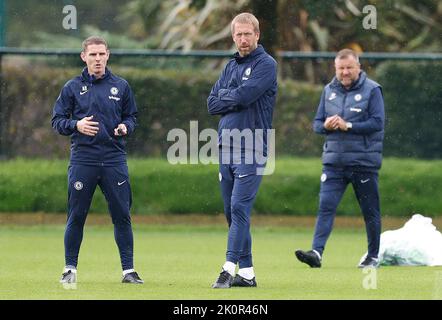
[68, 277]
[132, 277]
[369, 262]
[239, 281]
[224, 281]
[309, 257]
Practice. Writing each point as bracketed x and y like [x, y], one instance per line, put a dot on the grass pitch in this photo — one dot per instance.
[181, 262]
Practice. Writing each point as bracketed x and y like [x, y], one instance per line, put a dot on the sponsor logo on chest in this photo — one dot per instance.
[247, 73]
[114, 91]
[357, 98]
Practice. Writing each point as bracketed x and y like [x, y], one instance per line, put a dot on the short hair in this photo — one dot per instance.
[344, 53]
[245, 17]
[93, 40]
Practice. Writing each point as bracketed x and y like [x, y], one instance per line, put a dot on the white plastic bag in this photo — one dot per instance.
[417, 243]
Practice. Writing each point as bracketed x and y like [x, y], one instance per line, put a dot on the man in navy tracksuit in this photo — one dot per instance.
[351, 115]
[244, 96]
[97, 109]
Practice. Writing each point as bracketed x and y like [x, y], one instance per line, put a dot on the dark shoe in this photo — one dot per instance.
[132, 277]
[68, 277]
[369, 262]
[309, 257]
[239, 281]
[224, 281]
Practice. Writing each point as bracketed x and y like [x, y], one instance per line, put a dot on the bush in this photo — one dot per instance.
[406, 186]
[171, 98]
[413, 100]
[166, 99]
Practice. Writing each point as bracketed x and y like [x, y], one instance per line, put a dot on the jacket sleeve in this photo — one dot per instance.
[62, 120]
[129, 111]
[215, 105]
[376, 115]
[318, 123]
[262, 78]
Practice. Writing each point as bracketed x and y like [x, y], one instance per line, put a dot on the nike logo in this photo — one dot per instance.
[242, 175]
[364, 181]
[82, 93]
[249, 282]
[120, 183]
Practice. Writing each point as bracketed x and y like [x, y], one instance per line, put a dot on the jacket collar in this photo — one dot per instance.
[259, 50]
[91, 78]
[356, 85]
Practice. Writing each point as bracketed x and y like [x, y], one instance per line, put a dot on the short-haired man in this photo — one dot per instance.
[97, 109]
[351, 115]
[244, 96]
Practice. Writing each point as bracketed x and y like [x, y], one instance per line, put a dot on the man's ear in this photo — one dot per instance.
[83, 56]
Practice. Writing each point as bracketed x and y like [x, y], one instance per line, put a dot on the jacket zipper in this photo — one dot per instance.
[342, 116]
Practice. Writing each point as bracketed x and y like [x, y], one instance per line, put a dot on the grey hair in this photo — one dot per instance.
[344, 53]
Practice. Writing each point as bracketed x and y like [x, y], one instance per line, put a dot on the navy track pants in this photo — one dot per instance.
[333, 185]
[239, 186]
[114, 183]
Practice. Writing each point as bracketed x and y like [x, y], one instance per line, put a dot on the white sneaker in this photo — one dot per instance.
[69, 277]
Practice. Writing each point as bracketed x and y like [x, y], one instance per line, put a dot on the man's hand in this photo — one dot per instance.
[332, 123]
[87, 126]
[121, 130]
[222, 92]
[342, 125]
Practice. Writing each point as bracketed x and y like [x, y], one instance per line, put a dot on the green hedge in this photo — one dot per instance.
[166, 99]
[169, 99]
[406, 186]
[413, 99]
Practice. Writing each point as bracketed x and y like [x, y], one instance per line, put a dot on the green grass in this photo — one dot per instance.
[181, 262]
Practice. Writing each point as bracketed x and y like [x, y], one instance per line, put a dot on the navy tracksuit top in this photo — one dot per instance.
[245, 94]
[110, 101]
[363, 106]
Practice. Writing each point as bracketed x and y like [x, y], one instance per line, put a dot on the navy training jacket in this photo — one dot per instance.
[245, 94]
[361, 146]
[110, 100]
